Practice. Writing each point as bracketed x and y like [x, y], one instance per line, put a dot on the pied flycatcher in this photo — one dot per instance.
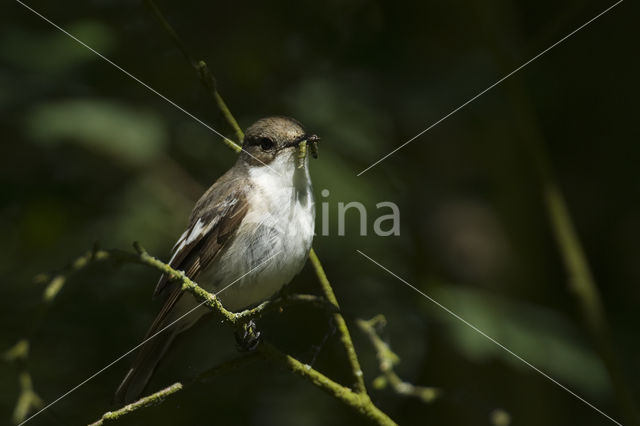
[261, 207]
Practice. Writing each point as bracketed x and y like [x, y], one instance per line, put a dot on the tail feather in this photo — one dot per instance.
[149, 355]
[145, 363]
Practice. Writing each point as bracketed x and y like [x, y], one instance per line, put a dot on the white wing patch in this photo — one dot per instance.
[191, 235]
[196, 231]
[182, 237]
[200, 228]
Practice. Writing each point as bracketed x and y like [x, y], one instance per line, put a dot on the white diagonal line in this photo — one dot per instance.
[476, 329]
[142, 343]
[491, 87]
[127, 73]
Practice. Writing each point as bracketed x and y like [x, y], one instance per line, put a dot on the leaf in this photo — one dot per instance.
[540, 336]
[107, 127]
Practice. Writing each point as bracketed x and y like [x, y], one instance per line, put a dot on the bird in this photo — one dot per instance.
[253, 228]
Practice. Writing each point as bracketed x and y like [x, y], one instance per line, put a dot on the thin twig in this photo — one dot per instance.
[388, 360]
[206, 77]
[159, 396]
[153, 399]
[28, 399]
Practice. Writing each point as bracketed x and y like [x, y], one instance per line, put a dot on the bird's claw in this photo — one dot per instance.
[247, 337]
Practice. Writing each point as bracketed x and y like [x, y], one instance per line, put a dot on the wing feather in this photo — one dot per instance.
[201, 244]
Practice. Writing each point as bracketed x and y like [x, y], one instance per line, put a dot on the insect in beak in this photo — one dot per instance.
[302, 148]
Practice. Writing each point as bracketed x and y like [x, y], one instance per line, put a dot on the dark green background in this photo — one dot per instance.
[90, 155]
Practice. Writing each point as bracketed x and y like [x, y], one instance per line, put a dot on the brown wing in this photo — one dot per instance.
[214, 221]
[213, 224]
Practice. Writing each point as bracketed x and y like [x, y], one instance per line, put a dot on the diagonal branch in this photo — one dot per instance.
[345, 337]
[357, 400]
[159, 396]
[147, 401]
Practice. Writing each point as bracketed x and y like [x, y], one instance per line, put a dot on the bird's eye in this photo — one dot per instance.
[266, 144]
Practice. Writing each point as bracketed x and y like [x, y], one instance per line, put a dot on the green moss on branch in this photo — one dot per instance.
[387, 360]
[153, 399]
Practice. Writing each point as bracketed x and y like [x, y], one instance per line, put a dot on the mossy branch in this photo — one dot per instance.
[387, 360]
[357, 400]
[159, 396]
[360, 403]
[149, 400]
[28, 400]
[345, 337]
[209, 299]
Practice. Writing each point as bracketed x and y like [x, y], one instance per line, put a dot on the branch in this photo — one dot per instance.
[57, 281]
[345, 337]
[157, 397]
[28, 399]
[360, 402]
[142, 257]
[209, 299]
[147, 401]
[206, 77]
[387, 360]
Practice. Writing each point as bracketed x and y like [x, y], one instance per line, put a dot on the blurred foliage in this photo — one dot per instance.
[90, 155]
[53, 51]
[549, 341]
[140, 137]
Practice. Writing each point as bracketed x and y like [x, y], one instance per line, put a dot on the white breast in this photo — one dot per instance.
[279, 225]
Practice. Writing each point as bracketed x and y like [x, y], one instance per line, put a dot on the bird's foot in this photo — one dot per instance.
[247, 337]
